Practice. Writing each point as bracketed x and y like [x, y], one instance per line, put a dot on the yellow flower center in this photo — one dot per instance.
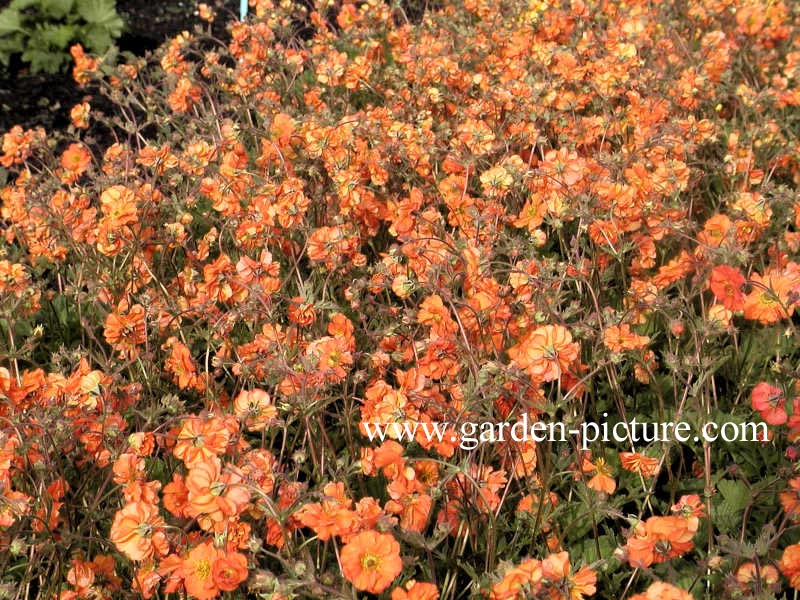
[203, 569]
[767, 299]
[370, 562]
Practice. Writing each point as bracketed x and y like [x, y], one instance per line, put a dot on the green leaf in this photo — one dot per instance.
[10, 22]
[97, 38]
[57, 36]
[734, 492]
[735, 497]
[57, 9]
[42, 60]
[22, 4]
[9, 46]
[100, 12]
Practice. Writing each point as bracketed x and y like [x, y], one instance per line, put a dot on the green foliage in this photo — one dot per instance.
[41, 31]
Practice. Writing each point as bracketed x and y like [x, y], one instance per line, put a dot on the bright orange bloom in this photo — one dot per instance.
[371, 561]
[197, 569]
[659, 539]
[332, 516]
[75, 160]
[415, 590]
[229, 570]
[618, 338]
[79, 115]
[184, 96]
[18, 145]
[414, 510]
[556, 571]
[546, 352]
[181, 365]
[790, 499]
[200, 440]
[770, 402]
[525, 576]
[125, 329]
[433, 313]
[789, 565]
[661, 590]
[138, 531]
[118, 205]
[773, 295]
[175, 496]
[752, 578]
[255, 408]
[600, 470]
[301, 312]
[638, 463]
[215, 494]
[726, 284]
[83, 64]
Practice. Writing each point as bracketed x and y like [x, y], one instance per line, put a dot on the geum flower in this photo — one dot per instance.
[138, 531]
[659, 539]
[726, 283]
[214, 494]
[371, 561]
[546, 352]
[770, 402]
[558, 576]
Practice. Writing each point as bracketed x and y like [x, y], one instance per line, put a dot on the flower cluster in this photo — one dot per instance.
[354, 215]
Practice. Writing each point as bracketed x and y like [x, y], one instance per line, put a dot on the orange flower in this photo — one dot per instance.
[175, 496]
[770, 402]
[546, 352]
[79, 115]
[229, 570]
[197, 571]
[199, 440]
[184, 96]
[255, 408]
[751, 578]
[638, 463]
[790, 499]
[371, 561]
[83, 64]
[525, 576]
[770, 299]
[661, 590]
[301, 312]
[75, 160]
[332, 516]
[118, 205]
[214, 495]
[433, 313]
[599, 469]
[620, 338]
[726, 284]
[138, 531]
[126, 329]
[789, 565]
[659, 539]
[557, 573]
[181, 365]
[414, 590]
[414, 510]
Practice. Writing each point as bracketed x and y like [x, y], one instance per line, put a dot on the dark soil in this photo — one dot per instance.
[45, 100]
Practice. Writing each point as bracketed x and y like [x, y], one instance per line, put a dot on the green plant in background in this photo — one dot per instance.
[41, 31]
